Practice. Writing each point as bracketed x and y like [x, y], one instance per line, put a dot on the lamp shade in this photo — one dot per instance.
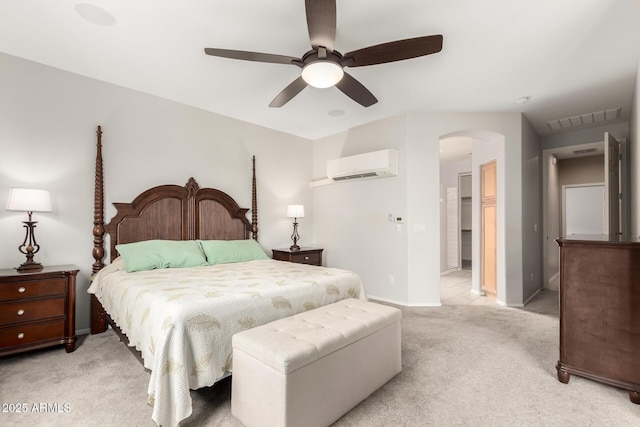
[295, 211]
[29, 200]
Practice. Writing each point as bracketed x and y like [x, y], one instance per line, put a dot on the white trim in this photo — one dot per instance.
[532, 297]
[403, 304]
[552, 280]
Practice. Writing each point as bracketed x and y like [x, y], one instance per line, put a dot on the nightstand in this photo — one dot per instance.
[312, 256]
[37, 309]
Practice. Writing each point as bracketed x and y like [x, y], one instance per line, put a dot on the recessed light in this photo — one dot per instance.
[94, 14]
[523, 100]
[336, 113]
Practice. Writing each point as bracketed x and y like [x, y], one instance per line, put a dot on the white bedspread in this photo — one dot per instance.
[182, 319]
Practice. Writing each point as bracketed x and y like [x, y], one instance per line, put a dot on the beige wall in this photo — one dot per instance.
[580, 170]
[48, 120]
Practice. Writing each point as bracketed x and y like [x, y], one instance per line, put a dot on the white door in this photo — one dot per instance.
[612, 184]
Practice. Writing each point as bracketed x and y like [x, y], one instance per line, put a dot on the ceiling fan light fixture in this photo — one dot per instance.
[322, 74]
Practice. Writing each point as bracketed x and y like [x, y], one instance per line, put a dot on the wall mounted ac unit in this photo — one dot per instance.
[368, 165]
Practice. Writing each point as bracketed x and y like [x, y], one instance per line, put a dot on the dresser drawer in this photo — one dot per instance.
[42, 287]
[313, 258]
[26, 334]
[24, 311]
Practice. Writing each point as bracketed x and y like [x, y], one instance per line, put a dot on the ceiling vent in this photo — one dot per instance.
[585, 119]
[585, 151]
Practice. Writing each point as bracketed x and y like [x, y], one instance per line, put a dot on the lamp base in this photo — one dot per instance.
[294, 248]
[29, 266]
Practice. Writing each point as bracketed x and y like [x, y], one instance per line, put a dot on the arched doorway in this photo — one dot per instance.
[464, 153]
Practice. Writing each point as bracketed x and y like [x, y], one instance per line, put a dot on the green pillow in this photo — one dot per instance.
[152, 254]
[225, 251]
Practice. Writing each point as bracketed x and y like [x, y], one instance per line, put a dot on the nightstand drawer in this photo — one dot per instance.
[25, 334]
[24, 311]
[37, 309]
[307, 258]
[31, 288]
[311, 256]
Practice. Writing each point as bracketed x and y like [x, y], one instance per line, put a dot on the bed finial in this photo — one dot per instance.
[254, 204]
[98, 209]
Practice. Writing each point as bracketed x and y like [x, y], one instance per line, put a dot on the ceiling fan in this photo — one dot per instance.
[322, 66]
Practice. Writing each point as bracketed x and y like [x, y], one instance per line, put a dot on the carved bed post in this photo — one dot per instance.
[98, 209]
[254, 204]
[98, 319]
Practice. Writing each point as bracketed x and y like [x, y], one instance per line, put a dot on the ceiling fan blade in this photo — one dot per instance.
[253, 56]
[288, 93]
[356, 91]
[393, 51]
[321, 22]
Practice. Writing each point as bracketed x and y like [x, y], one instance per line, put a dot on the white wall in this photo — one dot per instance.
[552, 220]
[351, 217]
[48, 119]
[412, 256]
[531, 211]
[425, 130]
[584, 136]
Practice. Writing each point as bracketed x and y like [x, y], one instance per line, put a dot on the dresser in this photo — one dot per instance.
[37, 309]
[600, 311]
[312, 256]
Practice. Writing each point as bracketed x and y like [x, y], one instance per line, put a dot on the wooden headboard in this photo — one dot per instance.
[170, 212]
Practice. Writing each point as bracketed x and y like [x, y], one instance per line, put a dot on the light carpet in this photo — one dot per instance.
[462, 366]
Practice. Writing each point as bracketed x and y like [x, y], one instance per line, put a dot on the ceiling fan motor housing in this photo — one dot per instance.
[322, 69]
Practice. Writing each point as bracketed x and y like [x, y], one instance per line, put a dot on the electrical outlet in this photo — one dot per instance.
[392, 279]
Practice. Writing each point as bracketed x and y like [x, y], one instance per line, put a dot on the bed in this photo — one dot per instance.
[185, 274]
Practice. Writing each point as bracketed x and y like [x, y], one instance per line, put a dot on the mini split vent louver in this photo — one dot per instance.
[368, 165]
[585, 119]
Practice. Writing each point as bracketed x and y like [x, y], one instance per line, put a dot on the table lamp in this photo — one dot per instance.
[30, 201]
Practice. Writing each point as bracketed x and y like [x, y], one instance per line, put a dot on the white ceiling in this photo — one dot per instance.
[570, 57]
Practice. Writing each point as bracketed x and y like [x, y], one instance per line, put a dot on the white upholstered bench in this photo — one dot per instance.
[312, 368]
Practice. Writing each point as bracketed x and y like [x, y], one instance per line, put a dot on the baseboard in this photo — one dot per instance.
[401, 303]
[532, 296]
[554, 282]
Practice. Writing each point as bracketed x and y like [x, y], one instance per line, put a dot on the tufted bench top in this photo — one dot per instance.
[293, 342]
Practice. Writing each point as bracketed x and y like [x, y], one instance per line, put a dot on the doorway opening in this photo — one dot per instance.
[588, 170]
[461, 157]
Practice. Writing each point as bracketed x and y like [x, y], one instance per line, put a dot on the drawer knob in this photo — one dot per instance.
[306, 257]
[21, 335]
[20, 312]
[21, 289]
